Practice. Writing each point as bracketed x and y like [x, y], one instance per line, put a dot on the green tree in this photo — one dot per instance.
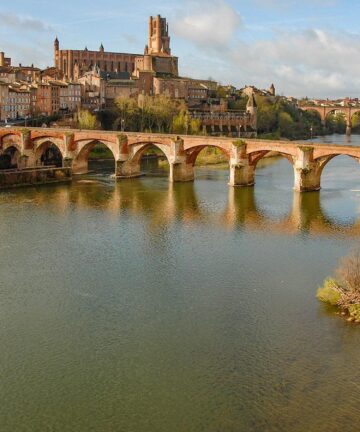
[128, 113]
[286, 125]
[86, 120]
[179, 122]
[195, 127]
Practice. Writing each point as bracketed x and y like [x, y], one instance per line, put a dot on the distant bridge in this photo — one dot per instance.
[27, 147]
[325, 110]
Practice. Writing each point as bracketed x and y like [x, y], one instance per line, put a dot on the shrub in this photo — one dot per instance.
[330, 292]
[345, 291]
[354, 311]
[348, 273]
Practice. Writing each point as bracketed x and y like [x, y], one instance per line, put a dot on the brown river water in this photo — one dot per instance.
[141, 306]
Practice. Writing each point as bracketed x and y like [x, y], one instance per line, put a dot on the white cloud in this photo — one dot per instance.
[211, 23]
[23, 22]
[309, 62]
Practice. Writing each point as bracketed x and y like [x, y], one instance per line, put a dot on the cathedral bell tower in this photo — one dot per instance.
[56, 52]
[159, 40]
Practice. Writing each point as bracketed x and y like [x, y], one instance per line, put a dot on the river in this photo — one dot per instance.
[141, 306]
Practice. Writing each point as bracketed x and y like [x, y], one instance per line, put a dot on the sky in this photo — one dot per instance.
[305, 47]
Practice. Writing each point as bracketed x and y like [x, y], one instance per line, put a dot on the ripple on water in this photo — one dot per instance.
[146, 306]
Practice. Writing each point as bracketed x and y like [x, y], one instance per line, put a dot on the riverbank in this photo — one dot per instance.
[343, 292]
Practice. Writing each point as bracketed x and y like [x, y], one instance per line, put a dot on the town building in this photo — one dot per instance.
[252, 90]
[94, 80]
[18, 103]
[4, 61]
[7, 74]
[4, 95]
[75, 63]
[70, 97]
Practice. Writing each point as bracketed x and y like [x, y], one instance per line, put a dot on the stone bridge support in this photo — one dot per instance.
[181, 170]
[242, 173]
[125, 168]
[26, 158]
[348, 125]
[69, 148]
[307, 172]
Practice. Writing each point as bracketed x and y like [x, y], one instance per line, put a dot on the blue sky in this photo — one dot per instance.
[306, 47]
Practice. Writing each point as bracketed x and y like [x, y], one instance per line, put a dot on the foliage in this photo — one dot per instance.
[348, 272]
[100, 151]
[336, 123]
[195, 127]
[182, 124]
[239, 143]
[211, 156]
[345, 290]
[150, 114]
[279, 118]
[107, 118]
[354, 311]
[329, 292]
[86, 120]
[356, 122]
[238, 103]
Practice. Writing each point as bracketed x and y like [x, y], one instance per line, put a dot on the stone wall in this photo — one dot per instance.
[34, 176]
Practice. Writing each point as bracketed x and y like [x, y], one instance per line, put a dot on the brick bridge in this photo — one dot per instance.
[326, 110]
[27, 146]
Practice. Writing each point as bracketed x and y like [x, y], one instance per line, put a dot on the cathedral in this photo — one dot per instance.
[156, 60]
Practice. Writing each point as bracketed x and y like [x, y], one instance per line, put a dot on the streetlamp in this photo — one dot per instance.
[240, 131]
[311, 132]
[122, 125]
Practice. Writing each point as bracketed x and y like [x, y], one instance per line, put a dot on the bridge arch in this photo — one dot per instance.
[257, 156]
[84, 148]
[48, 153]
[9, 140]
[323, 161]
[139, 149]
[319, 112]
[10, 156]
[192, 153]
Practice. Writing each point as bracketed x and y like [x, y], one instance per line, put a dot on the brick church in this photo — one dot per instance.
[157, 58]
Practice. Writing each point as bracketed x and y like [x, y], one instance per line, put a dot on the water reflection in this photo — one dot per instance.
[159, 203]
[145, 306]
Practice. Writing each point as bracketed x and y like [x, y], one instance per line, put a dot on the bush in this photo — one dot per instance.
[345, 291]
[330, 292]
[348, 273]
[354, 311]
[86, 120]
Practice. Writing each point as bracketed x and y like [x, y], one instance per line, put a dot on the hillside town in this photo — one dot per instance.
[95, 80]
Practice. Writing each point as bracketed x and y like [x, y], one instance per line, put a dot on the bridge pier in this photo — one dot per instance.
[181, 172]
[306, 172]
[348, 129]
[242, 175]
[127, 169]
